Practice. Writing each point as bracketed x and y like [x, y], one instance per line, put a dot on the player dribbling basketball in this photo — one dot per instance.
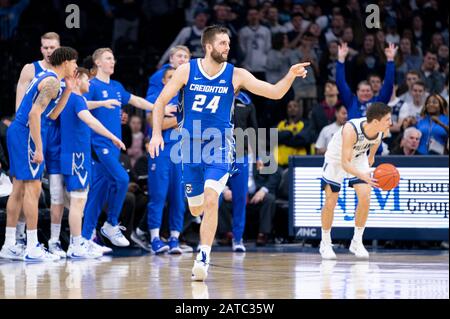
[347, 155]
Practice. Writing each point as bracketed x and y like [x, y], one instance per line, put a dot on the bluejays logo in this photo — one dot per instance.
[78, 168]
[34, 167]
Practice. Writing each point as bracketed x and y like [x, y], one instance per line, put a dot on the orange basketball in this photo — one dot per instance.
[387, 175]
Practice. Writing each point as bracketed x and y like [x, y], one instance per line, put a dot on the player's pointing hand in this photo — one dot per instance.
[300, 69]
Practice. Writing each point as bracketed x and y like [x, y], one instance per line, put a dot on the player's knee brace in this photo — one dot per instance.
[56, 189]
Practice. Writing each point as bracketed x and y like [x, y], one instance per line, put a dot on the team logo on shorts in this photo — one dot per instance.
[34, 168]
[105, 151]
[188, 188]
[78, 167]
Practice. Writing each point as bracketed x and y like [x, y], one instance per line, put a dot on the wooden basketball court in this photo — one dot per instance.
[274, 273]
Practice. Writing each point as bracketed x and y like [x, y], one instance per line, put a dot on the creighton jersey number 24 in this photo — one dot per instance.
[208, 99]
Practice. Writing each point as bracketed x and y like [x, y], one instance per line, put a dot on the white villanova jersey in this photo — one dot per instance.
[360, 148]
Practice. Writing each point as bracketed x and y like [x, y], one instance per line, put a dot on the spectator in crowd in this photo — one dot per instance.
[436, 41]
[357, 105]
[434, 81]
[136, 149]
[327, 65]
[328, 131]
[255, 42]
[369, 60]
[412, 77]
[272, 21]
[392, 35]
[323, 113]
[305, 89]
[434, 126]
[407, 60]
[348, 37]
[414, 108]
[375, 83]
[295, 32]
[353, 16]
[285, 11]
[276, 67]
[409, 143]
[380, 40]
[443, 58]
[419, 37]
[222, 16]
[190, 37]
[278, 58]
[318, 43]
[290, 139]
[336, 30]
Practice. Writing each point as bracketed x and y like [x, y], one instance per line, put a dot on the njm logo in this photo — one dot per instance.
[346, 198]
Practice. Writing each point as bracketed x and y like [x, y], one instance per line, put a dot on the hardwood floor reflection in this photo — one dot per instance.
[252, 275]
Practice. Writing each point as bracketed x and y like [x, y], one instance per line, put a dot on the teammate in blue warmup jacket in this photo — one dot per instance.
[26, 146]
[76, 162]
[165, 175]
[208, 87]
[108, 175]
[178, 55]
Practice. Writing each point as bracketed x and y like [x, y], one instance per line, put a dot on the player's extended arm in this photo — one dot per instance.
[348, 141]
[140, 103]
[49, 89]
[26, 75]
[109, 104]
[168, 122]
[244, 79]
[98, 128]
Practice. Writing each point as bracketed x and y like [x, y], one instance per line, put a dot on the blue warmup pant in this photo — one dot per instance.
[109, 183]
[165, 178]
[239, 187]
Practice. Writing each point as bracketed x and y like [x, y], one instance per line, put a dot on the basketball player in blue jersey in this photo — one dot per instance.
[347, 155]
[76, 161]
[26, 150]
[164, 175]
[208, 87]
[49, 43]
[108, 175]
